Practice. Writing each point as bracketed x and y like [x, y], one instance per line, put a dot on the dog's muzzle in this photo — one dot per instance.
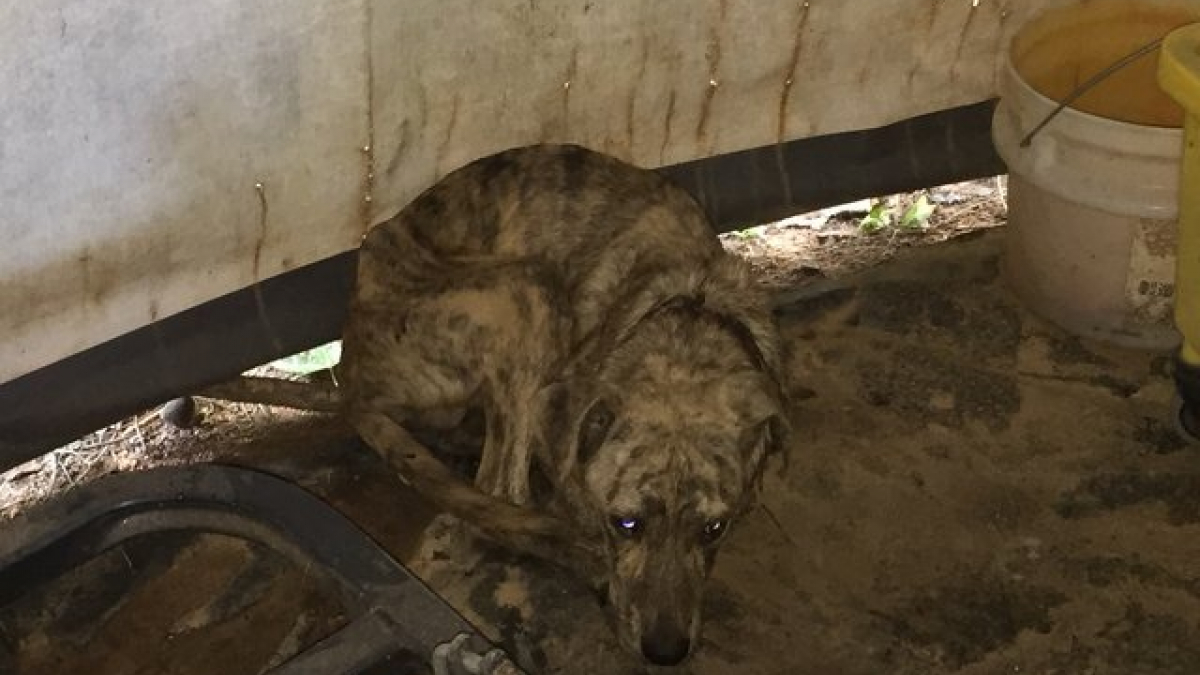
[665, 644]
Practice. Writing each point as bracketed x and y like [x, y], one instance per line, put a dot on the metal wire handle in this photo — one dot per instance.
[1092, 82]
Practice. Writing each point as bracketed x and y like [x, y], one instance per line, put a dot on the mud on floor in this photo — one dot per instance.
[970, 491]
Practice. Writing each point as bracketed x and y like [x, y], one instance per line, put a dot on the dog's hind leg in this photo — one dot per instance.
[488, 338]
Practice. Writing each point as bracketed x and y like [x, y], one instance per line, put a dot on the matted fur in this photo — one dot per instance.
[627, 367]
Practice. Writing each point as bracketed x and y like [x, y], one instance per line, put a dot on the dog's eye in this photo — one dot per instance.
[714, 530]
[627, 526]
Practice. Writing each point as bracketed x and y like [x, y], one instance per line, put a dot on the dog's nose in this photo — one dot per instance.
[665, 646]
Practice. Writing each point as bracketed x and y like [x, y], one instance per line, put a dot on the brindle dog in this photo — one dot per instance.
[627, 367]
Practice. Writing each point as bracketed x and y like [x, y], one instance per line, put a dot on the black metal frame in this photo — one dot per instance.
[395, 616]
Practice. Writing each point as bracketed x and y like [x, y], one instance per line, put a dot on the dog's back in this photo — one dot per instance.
[595, 222]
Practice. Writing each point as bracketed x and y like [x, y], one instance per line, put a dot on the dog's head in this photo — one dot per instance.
[670, 448]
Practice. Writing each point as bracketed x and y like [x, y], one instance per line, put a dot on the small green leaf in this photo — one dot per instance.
[318, 358]
[917, 213]
[746, 233]
[876, 219]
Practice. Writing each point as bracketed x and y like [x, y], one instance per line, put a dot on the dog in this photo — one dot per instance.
[627, 368]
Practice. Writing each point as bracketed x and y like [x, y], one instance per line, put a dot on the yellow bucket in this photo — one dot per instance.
[1179, 76]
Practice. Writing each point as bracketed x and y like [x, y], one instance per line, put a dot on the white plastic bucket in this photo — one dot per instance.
[1093, 199]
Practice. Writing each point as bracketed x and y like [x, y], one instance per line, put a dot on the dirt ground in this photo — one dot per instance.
[970, 491]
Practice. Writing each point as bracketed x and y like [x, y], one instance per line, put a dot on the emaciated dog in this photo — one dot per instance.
[628, 370]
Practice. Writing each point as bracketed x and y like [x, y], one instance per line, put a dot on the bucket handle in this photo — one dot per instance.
[1091, 82]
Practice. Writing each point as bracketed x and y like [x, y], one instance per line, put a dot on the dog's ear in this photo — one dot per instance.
[593, 430]
[776, 433]
[754, 395]
[766, 438]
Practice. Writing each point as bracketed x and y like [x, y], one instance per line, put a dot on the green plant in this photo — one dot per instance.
[876, 219]
[318, 358]
[882, 215]
[747, 233]
[917, 213]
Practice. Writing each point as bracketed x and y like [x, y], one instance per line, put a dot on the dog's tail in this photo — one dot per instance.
[513, 526]
[315, 396]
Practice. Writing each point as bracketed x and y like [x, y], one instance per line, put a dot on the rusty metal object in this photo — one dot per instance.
[320, 397]
[466, 654]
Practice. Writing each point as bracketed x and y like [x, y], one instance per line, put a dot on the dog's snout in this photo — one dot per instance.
[665, 645]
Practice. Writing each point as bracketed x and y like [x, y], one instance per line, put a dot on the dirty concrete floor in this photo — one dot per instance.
[971, 491]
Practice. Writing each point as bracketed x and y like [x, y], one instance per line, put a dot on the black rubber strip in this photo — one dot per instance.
[179, 354]
[306, 307]
[764, 184]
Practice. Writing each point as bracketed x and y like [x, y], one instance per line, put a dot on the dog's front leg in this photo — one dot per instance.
[508, 451]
